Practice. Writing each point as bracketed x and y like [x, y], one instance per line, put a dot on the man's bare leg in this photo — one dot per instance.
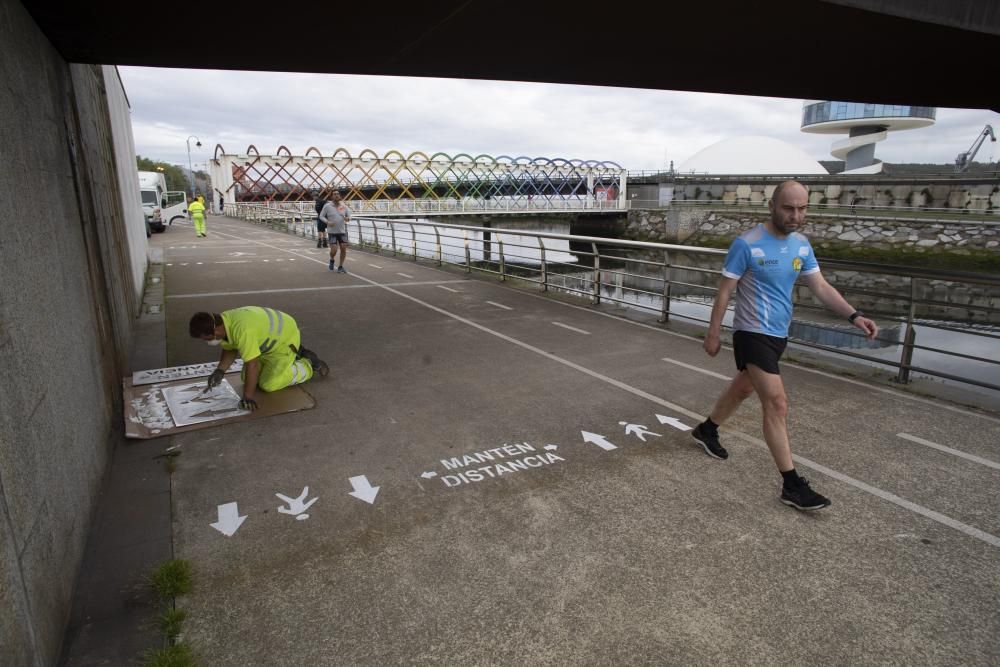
[771, 391]
[740, 388]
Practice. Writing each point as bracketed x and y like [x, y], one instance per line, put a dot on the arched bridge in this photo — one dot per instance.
[398, 184]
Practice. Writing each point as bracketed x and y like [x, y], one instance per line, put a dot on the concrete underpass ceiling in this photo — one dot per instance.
[808, 49]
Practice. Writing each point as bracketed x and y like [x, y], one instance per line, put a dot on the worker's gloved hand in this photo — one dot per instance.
[248, 404]
[215, 379]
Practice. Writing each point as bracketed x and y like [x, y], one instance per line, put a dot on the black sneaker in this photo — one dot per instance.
[710, 442]
[332, 265]
[803, 498]
[318, 365]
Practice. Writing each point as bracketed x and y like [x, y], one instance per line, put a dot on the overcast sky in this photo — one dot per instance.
[638, 129]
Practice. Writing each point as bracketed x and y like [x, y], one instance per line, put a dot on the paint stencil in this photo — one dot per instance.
[192, 404]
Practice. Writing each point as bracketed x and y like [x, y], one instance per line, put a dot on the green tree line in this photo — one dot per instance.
[176, 180]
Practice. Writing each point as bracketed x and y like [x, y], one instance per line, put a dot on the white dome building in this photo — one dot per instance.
[751, 155]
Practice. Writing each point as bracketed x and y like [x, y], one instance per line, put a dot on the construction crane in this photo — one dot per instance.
[963, 160]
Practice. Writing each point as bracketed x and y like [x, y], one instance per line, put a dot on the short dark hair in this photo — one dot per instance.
[203, 324]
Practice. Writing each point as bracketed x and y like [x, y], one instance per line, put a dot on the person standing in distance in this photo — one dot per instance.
[762, 266]
[336, 215]
[197, 210]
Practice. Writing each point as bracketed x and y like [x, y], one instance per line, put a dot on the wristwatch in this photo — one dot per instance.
[855, 315]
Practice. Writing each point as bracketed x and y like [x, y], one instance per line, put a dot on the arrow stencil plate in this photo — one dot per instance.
[188, 405]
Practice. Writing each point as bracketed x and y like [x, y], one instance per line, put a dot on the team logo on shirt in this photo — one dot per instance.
[756, 252]
[797, 264]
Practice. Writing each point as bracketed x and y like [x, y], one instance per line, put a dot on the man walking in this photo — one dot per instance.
[762, 265]
[335, 215]
[269, 343]
[197, 211]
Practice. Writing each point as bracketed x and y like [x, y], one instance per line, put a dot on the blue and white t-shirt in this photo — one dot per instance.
[767, 268]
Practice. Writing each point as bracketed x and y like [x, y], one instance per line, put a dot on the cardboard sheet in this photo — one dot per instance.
[166, 408]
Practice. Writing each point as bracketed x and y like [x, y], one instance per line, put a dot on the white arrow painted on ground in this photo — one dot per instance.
[597, 440]
[428, 475]
[363, 490]
[241, 254]
[674, 421]
[550, 447]
[229, 519]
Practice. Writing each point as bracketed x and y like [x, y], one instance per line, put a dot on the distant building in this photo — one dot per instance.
[751, 155]
[865, 124]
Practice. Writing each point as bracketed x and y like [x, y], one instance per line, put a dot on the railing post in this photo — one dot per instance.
[545, 273]
[503, 264]
[596, 297]
[468, 255]
[906, 355]
[378, 247]
[413, 235]
[392, 230]
[440, 254]
[667, 275]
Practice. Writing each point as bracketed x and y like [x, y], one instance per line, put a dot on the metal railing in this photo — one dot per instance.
[465, 206]
[667, 279]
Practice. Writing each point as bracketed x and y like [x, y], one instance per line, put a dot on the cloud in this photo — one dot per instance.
[639, 129]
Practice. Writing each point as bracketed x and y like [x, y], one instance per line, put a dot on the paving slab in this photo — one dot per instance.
[499, 535]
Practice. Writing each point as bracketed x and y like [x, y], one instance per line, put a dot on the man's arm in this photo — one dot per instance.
[712, 343]
[251, 373]
[226, 360]
[833, 300]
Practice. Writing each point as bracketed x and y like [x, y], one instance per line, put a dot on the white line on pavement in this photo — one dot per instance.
[949, 450]
[301, 289]
[405, 275]
[695, 368]
[375, 266]
[499, 305]
[983, 536]
[566, 326]
[449, 289]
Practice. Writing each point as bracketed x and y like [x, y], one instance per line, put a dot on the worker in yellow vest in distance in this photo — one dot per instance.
[269, 343]
[197, 210]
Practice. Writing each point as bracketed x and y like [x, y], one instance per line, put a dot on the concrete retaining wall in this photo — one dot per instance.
[714, 227]
[979, 197]
[67, 305]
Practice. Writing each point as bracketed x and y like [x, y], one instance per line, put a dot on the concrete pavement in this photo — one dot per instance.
[499, 535]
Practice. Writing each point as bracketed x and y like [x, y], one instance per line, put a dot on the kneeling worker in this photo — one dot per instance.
[269, 343]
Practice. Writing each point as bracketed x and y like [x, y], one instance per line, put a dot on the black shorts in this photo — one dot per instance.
[339, 238]
[759, 349]
[320, 225]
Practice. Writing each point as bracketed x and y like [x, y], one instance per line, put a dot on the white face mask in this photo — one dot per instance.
[213, 343]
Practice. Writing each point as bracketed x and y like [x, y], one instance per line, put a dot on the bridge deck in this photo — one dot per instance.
[650, 553]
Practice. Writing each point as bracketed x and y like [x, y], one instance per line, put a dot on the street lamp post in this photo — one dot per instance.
[190, 170]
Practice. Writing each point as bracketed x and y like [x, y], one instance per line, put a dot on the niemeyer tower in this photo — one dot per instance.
[865, 125]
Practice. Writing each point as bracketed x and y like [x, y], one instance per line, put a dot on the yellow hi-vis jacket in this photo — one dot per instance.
[196, 208]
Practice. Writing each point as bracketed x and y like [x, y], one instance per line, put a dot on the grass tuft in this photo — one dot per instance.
[171, 621]
[177, 655]
[172, 578]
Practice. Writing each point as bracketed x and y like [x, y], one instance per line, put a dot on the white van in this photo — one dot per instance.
[160, 207]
